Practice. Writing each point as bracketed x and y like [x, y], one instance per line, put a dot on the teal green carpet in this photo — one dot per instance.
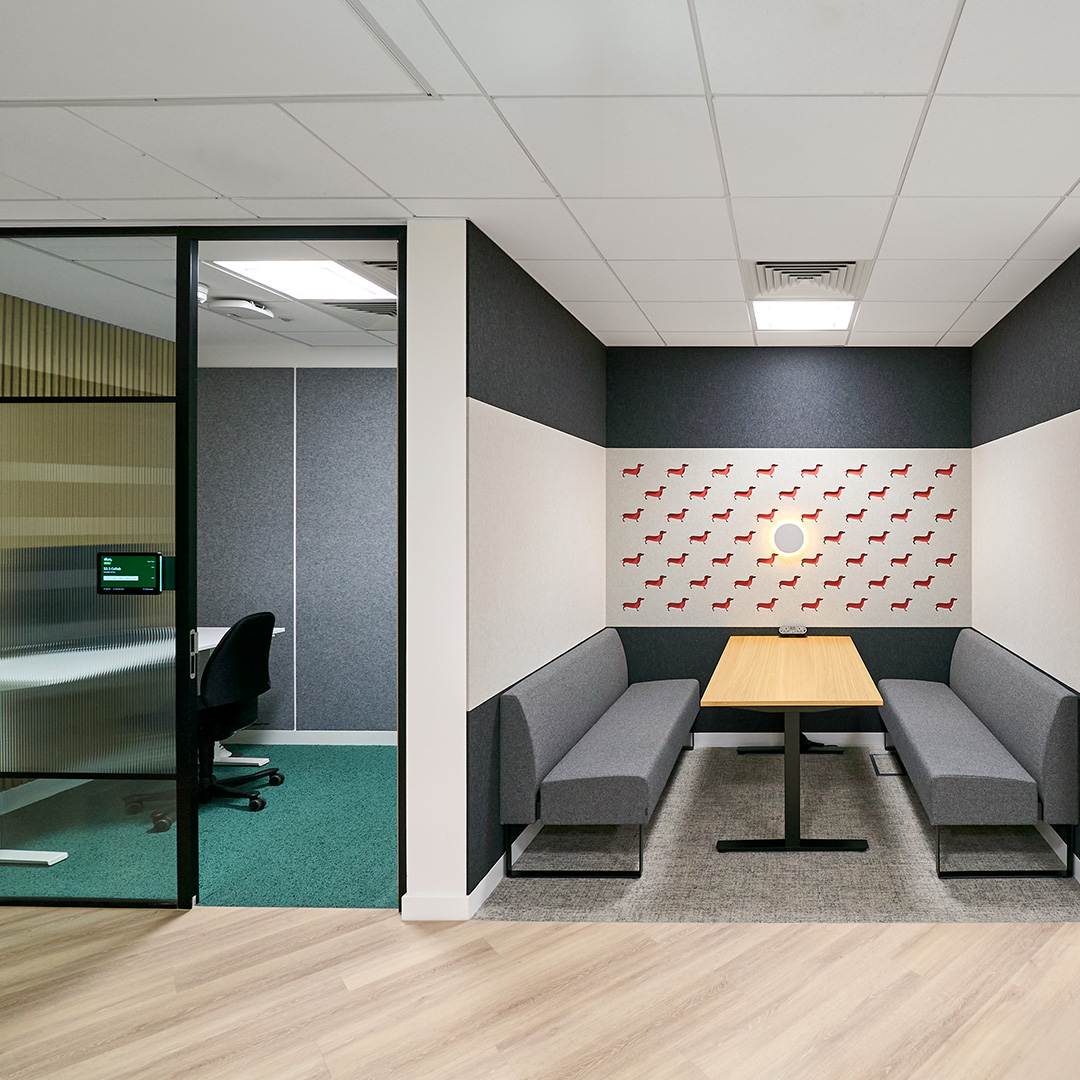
[327, 838]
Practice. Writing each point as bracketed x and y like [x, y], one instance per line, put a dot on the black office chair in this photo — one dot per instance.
[237, 672]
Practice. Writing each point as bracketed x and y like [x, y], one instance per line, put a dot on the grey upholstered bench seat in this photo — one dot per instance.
[961, 772]
[615, 773]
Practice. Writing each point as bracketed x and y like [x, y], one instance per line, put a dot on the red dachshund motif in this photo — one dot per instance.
[657, 494]
[925, 583]
[880, 583]
[634, 561]
[745, 584]
[877, 494]
[722, 472]
[858, 516]
[744, 494]
[768, 606]
[724, 516]
[925, 539]
[679, 516]
[767, 472]
[679, 561]
[945, 472]
[633, 606]
[901, 562]
[767, 562]
[811, 472]
[790, 583]
[835, 583]
[879, 539]
[813, 605]
[812, 517]
[634, 471]
[703, 583]
[945, 517]
[901, 517]
[722, 605]
[789, 494]
[679, 605]
[700, 539]
[769, 516]
[634, 516]
[855, 472]
[723, 561]
[834, 539]
[900, 472]
[658, 538]
[700, 494]
[946, 561]
[922, 494]
[946, 606]
[901, 607]
[857, 606]
[858, 561]
[744, 539]
[833, 494]
[677, 472]
[812, 560]
[657, 584]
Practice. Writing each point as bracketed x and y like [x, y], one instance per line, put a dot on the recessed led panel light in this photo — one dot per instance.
[803, 314]
[309, 279]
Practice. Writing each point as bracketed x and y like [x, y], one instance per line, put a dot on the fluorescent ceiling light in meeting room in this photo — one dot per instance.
[803, 314]
[308, 279]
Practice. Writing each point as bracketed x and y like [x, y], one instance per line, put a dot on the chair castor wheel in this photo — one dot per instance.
[132, 807]
[160, 823]
[257, 803]
[275, 779]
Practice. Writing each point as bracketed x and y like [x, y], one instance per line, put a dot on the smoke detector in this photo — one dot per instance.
[240, 309]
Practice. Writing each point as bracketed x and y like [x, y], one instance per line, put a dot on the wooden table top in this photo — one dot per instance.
[790, 672]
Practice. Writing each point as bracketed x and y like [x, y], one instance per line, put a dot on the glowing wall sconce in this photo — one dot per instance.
[789, 538]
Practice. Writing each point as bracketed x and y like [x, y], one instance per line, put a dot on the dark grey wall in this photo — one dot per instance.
[245, 513]
[526, 353]
[1027, 368]
[762, 397]
[346, 549]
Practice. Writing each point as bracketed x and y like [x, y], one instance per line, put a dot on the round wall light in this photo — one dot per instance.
[789, 538]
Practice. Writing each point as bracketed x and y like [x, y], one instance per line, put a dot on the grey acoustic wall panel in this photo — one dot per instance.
[245, 512]
[346, 543]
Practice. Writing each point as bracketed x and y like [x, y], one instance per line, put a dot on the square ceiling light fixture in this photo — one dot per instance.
[305, 279]
[803, 314]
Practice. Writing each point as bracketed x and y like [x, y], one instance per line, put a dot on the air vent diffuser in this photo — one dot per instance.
[805, 280]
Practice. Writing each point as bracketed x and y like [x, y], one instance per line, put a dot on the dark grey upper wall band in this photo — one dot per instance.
[1027, 368]
[526, 353]
[789, 397]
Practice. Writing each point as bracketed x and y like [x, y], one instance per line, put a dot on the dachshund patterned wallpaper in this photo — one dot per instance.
[887, 537]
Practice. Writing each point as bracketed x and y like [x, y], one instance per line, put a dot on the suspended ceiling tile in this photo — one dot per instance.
[100, 49]
[603, 316]
[38, 210]
[997, 146]
[675, 229]
[1017, 278]
[668, 279]
[12, 189]
[981, 316]
[930, 279]
[349, 210]
[896, 339]
[170, 211]
[219, 250]
[908, 315]
[123, 248]
[576, 279]
[630, 339]
[702, 317]
[523, 228]
[822, 47]
[686, 338]
[789, 338]
[342, 338]
[959, 339]
[248, 151]
[802, 146]
[569, 47]
[619, 147]
[1002, 47]
[982, 228]
[158, 275]
[1058, 237]
[60, 153]
[453, 148]
[819, 229]
[357, 250]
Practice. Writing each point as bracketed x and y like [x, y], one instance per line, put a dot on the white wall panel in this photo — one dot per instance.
[1026, 544]
[536, 546]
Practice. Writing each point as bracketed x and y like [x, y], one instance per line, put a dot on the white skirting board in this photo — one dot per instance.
[274, 737]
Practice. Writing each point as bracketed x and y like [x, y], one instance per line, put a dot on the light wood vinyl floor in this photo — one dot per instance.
[308, 994]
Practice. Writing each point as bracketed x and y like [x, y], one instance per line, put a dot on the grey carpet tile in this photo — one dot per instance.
[716, 793]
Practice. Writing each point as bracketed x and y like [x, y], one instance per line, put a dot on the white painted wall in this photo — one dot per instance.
[536, 546]
[435, 574]
[1026, 544]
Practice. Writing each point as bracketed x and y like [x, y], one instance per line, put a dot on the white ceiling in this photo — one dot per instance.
[629, 153]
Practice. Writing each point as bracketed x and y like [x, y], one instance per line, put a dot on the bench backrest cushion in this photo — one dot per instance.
[544, 715]
[1033, 716]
